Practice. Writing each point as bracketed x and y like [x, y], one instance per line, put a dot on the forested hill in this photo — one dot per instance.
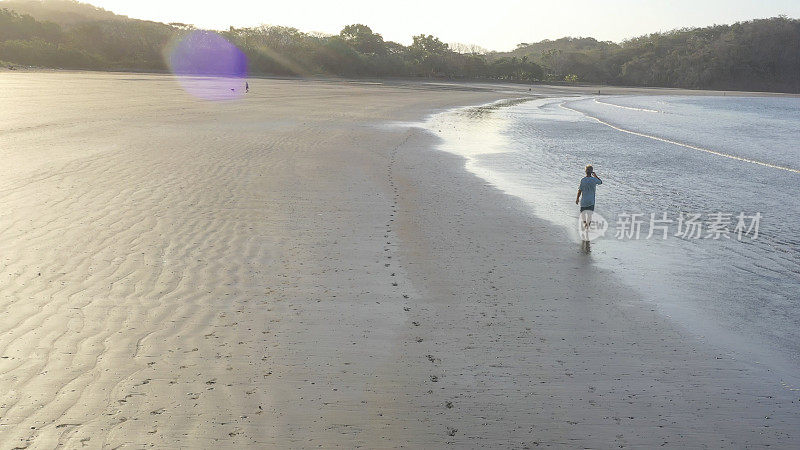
[62, 12]
[758, 55]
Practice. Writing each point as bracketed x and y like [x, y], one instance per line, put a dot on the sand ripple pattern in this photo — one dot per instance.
[185, 274]
[119, 269]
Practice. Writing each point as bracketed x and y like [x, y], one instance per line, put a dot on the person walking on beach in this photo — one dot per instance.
[586, 197]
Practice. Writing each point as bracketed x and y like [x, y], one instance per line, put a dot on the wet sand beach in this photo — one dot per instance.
[294, 270]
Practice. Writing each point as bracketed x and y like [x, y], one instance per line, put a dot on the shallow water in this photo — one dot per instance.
[666, 156]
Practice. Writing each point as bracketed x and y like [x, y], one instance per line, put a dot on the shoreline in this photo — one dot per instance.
[457, 128]
[581, 322]
[541, 86]
[286, 271]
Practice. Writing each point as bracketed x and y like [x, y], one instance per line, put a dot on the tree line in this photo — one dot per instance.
[762, 55]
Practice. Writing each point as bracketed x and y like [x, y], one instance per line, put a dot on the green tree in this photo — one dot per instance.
[428, 55]
[363, 40]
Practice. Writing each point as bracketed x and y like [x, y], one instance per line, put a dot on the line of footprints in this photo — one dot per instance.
[388, 264]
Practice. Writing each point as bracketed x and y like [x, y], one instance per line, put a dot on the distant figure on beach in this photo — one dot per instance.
[246, 87]
[586, 196]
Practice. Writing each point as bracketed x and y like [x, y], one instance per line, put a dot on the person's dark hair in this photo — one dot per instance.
[589, 170]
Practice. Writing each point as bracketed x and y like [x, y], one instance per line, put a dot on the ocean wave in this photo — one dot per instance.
[681, 144]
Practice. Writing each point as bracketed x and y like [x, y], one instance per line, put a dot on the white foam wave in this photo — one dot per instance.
[682, 144]
[627, 107]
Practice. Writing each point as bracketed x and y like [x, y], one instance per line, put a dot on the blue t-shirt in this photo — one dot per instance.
[587, 190]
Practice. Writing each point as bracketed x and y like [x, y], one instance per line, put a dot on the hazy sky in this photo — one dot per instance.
[496, 25]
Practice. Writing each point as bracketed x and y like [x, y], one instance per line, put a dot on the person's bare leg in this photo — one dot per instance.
[584, 229]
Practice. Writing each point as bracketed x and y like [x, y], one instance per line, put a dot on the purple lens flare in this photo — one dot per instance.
[208, 66]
